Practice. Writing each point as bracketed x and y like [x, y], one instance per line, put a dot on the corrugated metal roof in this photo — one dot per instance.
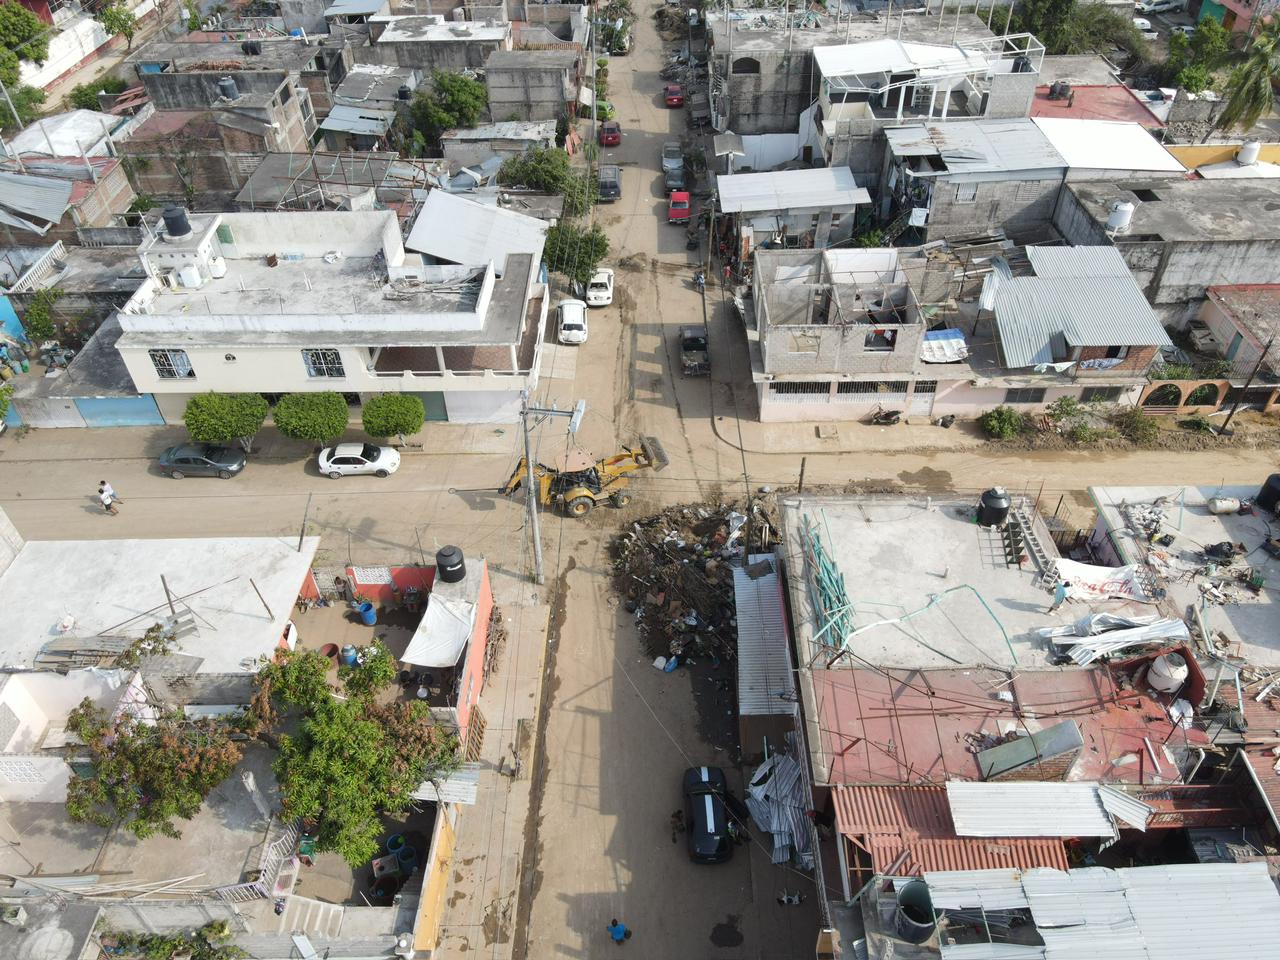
[359, 120]
[1080, 296]
[33, 203]
[1107, 145]
[790, 190]
[1128, 810]
[353, 8]
[1210, 911]
[1028, 809]
[459, 230]
[461, 786]
[766, 683]
[981, 146]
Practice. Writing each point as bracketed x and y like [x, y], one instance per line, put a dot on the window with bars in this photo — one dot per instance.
[1025, 395]
[799, 387]
[925, 386]
[966, 193]
[172, 364]
[872, 388]
[1101, 394]
[323, 363]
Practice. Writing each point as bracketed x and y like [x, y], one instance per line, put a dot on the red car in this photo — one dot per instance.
[678, 207]
[673, 95]
[610, 133]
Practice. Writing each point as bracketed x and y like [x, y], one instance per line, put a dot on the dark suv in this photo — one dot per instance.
[610, 179]
[706, 819]
[695, 357]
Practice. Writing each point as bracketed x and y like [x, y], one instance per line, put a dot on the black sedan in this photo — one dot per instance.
[201, 460]
[706, 819]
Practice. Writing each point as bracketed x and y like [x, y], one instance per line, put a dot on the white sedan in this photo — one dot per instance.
[571, 321]
[600, 289]
[354, 459]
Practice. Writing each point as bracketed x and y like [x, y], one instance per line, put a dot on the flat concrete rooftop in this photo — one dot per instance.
[1191, 210]
[761, 31]
[113, 589]
[1250, 620]
[899, 555]
[282, 54]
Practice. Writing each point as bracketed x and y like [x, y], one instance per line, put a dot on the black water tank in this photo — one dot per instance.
[227, 88]
[404, 92]
[450, 566]
[913, 920]
[176, 223]
[252, 47]
[993, 508]
[1022, 64]
[1269, 496]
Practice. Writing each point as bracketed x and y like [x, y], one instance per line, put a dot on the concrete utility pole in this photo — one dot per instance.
[1247, 384]
[531, 490]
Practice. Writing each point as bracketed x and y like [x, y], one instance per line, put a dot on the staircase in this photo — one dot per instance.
[1031, 543]
[304, 915]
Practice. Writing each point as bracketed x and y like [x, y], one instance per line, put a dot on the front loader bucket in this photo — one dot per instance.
[654, 452]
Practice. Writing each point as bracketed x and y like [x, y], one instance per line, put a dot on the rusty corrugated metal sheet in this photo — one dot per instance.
[867, 810]
[967, 854]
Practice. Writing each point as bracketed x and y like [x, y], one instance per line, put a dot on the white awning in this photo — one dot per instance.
[443, 633]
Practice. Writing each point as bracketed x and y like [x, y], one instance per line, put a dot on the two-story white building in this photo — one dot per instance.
[325, 300]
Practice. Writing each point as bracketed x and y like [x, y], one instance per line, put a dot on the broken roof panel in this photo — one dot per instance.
[459, 230]
[826, 187]
[1028, 809]
[979, 146]
[33, 203]
[362, 121]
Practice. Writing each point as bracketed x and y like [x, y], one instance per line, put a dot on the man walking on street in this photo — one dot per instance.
[108, 502]
[107, 488]
[618, 931]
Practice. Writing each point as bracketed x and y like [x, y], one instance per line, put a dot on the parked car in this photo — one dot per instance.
[600, 289]
[1186, 29]
[706, 819]
[1142, 24]
[201, 460]
[672, 155]
[678, 207]
[673, 179]
[695, 358]
[1161, 6]
[355, 459]
[610, 133]
[571, 321]
[673, 95]
[609, 178]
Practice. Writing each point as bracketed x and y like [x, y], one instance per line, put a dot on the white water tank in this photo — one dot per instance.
[1121, 216]
[1168, 672]
[1249, 151]
[217, 267]
[189, 276]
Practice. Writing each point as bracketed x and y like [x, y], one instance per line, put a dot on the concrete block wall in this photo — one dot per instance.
[1076, 224]
[1136, 361]
[772, 100]
[1011, 204]
[526, 94]
[1010, 95]
[827, 349]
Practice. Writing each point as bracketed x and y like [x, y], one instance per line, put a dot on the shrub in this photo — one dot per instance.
[1003, 423]
[225, 417]
[393, 413]
[317, 417]
[84, 96]
[1135, 426]
[1063, 409]
[1174, 371]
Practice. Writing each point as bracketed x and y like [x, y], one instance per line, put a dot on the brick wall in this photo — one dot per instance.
[1014, 205]
[1052, 768]
[825, 349]
[1137, 360]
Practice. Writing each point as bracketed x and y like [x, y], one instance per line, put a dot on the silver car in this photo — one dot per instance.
[672, 156]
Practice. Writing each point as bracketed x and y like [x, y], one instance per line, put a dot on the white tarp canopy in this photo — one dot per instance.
[1087, 581]
[443, 632]
[943, 346]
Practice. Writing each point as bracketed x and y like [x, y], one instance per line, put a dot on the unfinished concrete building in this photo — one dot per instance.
[532, 84]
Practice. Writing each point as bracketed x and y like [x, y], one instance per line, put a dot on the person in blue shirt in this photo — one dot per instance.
[618, 931]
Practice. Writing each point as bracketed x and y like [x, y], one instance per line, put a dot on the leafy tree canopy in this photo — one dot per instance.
[317, 417]
[23, 33]
[146, 775]
[224, 417]
[1248, 92]
[84, 96]
[117, 20]
[452, 101]
[575, 251]
[393, 413]
[547, 169]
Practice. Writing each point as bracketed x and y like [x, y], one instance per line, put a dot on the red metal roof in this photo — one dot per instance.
[886, 821]
[1263, 721]
[922, 727]
[1112, 102]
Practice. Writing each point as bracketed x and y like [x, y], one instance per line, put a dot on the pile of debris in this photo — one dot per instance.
[674, 572]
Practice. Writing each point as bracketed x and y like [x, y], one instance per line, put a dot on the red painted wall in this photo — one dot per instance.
[472, 680]
[404, 577]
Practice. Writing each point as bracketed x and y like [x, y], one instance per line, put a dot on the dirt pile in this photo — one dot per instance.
[674, 572]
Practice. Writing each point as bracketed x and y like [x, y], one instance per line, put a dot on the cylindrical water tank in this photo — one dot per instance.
[913, 920]
[1249, 152]
[227, 88]
[1168, 672]
[450, 564]
[404, 92]
[993, 507]
[189, 276]
[1269, 496]
[176, 223]
[1221, 505]
[1121, 216]
[217, 268]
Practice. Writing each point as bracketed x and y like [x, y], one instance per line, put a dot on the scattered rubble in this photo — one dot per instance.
[674, 572]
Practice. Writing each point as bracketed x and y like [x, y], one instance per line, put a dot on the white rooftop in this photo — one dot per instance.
[71, 134]
[505, 130]
[454, 228]
[86, 590]
[1107, 145]
[977, 146]
[889, 56]
[1230, 170]
[426, 29]
[791, 190]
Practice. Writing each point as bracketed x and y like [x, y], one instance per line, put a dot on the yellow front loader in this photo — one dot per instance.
[577, 491]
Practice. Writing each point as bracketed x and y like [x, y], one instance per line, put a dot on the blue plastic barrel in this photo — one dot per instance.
[368, 614]
[408, 856]
[395, 843]
[347, 656]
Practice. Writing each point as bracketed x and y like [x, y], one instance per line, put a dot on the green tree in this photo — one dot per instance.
[6, 393]
[146, 775]
[1047, 19]
[547, 169]
[1180, 56]
[225, 417]
[575, 251]
[318, 417]
[1194, 78]
[37, 319]
[1003, 423]
[27, 101]
[1248, 95]
[374, 670]
[452, 101]
[1096, 28]
[1210, 43]
[393, 413]
[117, 20]
[84, 96]
[24, 36]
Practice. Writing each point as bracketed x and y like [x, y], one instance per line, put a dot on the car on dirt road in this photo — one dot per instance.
[358, 459]
[599, 291]
[672, 155]
[609, 182]
[571, 322]
[706, 818]
[201, 460]
[678, 207]
[695, 358]
[673, 95]
[674, 180]
[610, 133]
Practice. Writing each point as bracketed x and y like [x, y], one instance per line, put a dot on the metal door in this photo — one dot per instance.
[433, 404]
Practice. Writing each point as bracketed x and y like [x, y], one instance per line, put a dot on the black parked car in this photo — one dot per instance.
[706, 820]
[201, 460]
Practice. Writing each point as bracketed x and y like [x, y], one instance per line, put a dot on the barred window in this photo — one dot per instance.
[323, 363]
[172, 364]
[800, 387]
[1106, 394]
[1025, 395]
